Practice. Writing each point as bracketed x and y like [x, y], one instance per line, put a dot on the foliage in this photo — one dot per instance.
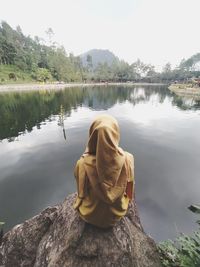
[194, 208]
[42, 75]
[20, 75]
[192, 63]
[28, 55]
[184, 251]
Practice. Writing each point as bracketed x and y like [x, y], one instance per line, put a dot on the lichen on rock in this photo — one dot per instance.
[58, 237]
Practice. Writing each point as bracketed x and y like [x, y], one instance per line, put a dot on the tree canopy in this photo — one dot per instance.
[47, 60]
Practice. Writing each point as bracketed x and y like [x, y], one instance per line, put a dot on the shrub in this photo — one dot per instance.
[184, 251]
[42, 75]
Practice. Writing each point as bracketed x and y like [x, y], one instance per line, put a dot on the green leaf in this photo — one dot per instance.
[194, 208]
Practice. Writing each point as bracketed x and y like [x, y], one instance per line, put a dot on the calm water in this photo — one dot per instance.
[43, 134]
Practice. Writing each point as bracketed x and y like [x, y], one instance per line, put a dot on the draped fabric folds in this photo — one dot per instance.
[104, 175]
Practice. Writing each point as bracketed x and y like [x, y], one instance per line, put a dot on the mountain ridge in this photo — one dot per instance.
[98, 56]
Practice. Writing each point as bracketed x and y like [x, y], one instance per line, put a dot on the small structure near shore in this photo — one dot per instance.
[58, 237]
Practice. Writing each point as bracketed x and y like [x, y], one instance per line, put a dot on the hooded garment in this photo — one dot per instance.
[104, 175]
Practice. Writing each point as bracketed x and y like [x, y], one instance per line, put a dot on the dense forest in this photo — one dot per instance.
[23, 58]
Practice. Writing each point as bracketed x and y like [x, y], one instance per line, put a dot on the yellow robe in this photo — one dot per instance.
[104, 176]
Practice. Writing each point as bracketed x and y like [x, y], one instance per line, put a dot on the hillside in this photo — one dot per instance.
[13, 74]
[23, 58]
[98, 56]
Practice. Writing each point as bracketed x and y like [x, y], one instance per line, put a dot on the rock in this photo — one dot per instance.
[57, 237]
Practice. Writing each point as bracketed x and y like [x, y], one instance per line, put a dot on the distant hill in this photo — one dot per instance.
[98, 56]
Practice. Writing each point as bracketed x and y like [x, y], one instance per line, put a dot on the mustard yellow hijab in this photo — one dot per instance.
[105, 172]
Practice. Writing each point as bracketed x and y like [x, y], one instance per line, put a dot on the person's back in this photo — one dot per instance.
[104, 175]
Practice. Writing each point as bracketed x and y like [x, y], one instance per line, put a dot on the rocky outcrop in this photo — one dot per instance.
[57, 237]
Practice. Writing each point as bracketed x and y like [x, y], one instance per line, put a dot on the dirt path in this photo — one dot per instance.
[50, 86]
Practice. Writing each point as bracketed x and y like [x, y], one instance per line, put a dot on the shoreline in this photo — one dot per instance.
[180, 90]
[50, 86]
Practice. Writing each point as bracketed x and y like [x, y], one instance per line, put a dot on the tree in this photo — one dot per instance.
[43, 75]
[49, 32]
[191, 64]
[89, 62]
[167, 68]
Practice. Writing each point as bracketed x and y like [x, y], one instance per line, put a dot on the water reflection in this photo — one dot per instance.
[49, 129]
[20, 112]
[61, 122]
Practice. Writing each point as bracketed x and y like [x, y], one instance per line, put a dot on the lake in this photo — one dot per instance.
[43, 134]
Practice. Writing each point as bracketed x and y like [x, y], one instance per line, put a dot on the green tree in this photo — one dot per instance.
[89, 62]
[43, 75]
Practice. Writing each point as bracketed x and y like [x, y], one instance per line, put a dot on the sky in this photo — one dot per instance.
[155, 31]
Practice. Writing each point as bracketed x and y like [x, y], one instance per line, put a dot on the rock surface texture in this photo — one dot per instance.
[57, 237]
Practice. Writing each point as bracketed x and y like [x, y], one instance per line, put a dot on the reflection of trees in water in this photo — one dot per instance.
[61, 121]
[185, 103]
[105, 97]
[20, 112]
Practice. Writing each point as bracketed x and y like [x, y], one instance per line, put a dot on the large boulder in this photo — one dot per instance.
[57, 237]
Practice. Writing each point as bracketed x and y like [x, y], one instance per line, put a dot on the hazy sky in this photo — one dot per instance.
[156, 31]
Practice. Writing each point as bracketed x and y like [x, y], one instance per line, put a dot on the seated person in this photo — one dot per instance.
[104, 175]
